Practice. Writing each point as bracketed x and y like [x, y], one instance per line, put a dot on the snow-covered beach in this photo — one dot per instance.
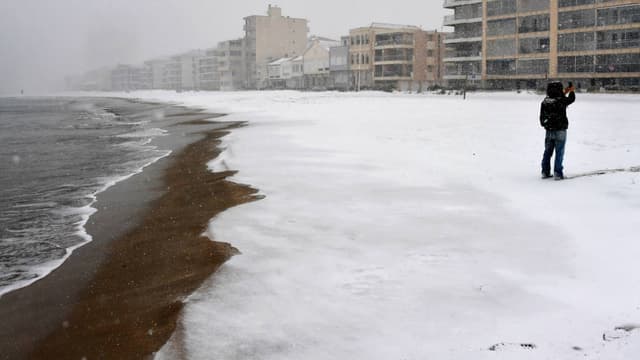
[400, 226]
[416, 226]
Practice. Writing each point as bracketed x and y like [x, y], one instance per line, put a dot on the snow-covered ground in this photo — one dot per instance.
[417, 227]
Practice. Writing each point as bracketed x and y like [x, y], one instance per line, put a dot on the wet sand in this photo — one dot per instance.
[119, 296]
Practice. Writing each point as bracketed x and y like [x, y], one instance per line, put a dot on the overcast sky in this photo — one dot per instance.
[43, 40]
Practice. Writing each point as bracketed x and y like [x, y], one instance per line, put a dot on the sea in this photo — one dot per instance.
[56, 155]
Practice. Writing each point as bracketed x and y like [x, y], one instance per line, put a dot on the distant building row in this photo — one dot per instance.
[277, 53]
[219, 68]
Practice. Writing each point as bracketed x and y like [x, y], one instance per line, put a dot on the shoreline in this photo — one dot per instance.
[119, 295]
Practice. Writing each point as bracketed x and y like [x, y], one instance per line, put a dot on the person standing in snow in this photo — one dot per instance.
[553, 117]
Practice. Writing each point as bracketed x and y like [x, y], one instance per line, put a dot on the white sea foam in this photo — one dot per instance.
[219, 164]
[85, 212]
[153, 132]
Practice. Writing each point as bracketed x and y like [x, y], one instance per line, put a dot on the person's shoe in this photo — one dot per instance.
[546, 175]
[558, 176]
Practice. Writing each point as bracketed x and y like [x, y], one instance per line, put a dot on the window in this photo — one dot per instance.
[501, 7]
[576, 41]
[575, 64]
[394, 39]
[535, 23]
[501, 67]
[393, 70]
[618, 63]
[532, 5]
[618, 39]
[533, 66]
[500, 27]
[619, 15]
[502, 47]
[534, 45]
[567, 3]
[576, 19]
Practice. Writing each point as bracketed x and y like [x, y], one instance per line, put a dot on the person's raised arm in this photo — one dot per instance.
[568, 100]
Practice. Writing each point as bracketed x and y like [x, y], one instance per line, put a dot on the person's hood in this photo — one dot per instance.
[555, 89]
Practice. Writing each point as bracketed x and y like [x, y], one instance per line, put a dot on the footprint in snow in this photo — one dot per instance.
[510, 346]
[620, 332]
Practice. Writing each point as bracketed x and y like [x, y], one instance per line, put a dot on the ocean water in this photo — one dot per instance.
[56, 154]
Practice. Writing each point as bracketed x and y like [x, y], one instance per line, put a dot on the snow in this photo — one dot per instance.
[398, 226]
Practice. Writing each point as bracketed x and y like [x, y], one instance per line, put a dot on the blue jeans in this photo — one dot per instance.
[554, 140]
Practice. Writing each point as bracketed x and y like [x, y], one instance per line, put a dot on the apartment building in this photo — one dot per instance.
[268, 38]
[524, 43]
[171, 74]
[156, 71]
[401, 57]
[128, 78]
[232, 65]
[182, 72]
[190, 70]
[209, 76]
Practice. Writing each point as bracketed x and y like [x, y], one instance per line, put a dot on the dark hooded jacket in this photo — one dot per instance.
[553, 112]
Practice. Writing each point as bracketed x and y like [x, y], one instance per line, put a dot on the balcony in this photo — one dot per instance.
[393, 72]
[394, 56]
[450, 4]
[470, 77]
[394, 59]
[462, 57]
[462, 39]
[394, 40]
[451, 20]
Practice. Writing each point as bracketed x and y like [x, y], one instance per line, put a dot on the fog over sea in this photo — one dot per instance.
[56, 154]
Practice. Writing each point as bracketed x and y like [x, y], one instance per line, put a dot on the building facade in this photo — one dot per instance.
[232, 65]
[268, 38]
[296, 81]
[339, 65]
[279, 72]
[524, 43]
[388, 56]
[129, 78]
[156, 72]
[190, 70]
[316, 63]
[209, 76]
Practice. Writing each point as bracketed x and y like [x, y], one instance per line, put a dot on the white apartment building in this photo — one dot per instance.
[156, 72]
[209, 76]
[190, 70]
[232, 65]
